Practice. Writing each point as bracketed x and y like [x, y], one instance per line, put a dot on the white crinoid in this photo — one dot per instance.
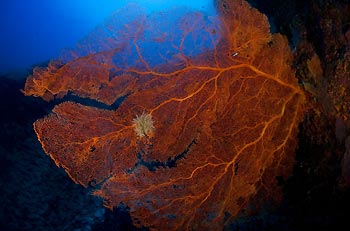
[143, 125]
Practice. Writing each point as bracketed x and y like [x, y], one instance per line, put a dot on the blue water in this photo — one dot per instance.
[35, 31]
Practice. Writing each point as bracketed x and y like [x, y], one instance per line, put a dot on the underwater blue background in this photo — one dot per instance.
[35, 31]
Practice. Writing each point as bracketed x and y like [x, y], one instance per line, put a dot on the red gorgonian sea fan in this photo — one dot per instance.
[224, 106]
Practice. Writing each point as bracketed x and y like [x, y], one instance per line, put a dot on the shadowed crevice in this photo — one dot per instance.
[154, 165]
